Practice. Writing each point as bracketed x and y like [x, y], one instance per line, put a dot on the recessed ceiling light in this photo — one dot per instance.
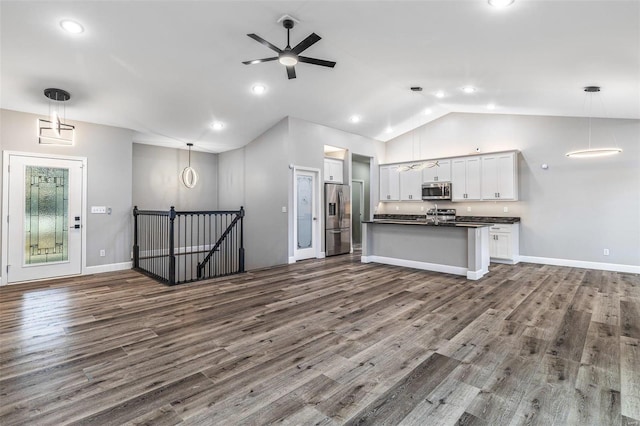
[354, 119]
[491, 106]
[500, 3]
[259, 89]
[71, 26]
[388, 129]
[217, 125]
[427, 111]
[468, 89]
[440, 94]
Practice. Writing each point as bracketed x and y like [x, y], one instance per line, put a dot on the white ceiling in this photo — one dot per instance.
[168, 69]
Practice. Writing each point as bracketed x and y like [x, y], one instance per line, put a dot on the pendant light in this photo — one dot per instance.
[592, 152]
[55, 130]
[189, 175]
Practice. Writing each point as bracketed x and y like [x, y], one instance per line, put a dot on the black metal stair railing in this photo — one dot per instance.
[178, 247]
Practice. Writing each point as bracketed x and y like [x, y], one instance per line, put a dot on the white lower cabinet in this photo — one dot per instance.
[504, 243]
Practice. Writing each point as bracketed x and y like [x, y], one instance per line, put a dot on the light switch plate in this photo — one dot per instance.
[99, 209]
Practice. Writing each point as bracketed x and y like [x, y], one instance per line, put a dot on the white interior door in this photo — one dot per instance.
[45, 218]
[306, 215]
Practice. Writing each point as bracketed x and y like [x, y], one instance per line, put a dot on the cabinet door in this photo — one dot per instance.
[502, 246]
[441, 173]
[489, 178]
[473, 178]
[411, 185]
[389, 183]
[333, 170]
[458, 179]
[506, 177]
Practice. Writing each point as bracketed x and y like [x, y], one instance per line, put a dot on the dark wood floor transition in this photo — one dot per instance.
[329, 341]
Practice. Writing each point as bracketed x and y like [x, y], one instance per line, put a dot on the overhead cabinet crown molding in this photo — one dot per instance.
[486, 177]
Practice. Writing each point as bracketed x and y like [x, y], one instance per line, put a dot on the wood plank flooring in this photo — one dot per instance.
[325, 342]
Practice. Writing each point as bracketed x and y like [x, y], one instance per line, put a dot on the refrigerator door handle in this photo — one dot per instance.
[340, 208]
[331, 231]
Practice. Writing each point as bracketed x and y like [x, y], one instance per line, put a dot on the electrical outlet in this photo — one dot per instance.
[284, 209]
[468, 209]
[102, 253]
[422, 208]
[397, 208]
[506, 209]
[606, 252]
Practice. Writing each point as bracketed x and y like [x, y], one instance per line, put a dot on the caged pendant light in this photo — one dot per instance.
[592, 152]
[189, 176]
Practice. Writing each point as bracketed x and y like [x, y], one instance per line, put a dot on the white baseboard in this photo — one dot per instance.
[322, 255]
[292, 259]
[111, 267]
[632, 269]
[456, 270]
[476, 275]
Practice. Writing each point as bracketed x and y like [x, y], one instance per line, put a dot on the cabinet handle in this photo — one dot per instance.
[498, 195]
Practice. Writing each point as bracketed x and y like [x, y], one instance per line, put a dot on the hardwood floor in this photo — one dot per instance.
[325, 342]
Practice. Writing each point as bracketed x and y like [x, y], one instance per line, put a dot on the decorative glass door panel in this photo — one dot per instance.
[46, 215]
[305, 214]
[305, 211]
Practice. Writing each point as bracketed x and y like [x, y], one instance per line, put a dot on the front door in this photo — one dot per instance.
[305, 215]
[45, 218]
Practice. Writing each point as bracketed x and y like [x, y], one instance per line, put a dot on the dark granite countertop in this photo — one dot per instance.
[459, 219]
[421, 221]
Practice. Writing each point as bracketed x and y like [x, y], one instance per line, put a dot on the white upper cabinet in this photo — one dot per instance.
[441, 173]
[411, 185]
[465, 179]
[333, 170]
[389, 183]
[500, 177]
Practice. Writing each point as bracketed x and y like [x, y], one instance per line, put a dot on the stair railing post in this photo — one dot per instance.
[136, 248]
[172, 251]
[241, 249]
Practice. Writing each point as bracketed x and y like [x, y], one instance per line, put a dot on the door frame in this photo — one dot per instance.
[5, 207]
[318, 211]
[362, 201]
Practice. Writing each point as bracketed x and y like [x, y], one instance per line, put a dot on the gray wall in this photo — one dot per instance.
[157, 184]
[362, 171]
[108, 153]
[258, 176]
[573, 210]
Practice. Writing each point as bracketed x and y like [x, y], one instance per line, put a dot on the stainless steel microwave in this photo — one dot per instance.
[436, 191]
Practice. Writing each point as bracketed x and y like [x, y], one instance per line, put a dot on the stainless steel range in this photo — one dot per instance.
[441, 215]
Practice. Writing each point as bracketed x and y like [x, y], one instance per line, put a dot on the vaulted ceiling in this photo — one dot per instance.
[168, 69]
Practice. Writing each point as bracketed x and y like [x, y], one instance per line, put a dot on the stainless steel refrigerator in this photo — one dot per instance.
[337, 218]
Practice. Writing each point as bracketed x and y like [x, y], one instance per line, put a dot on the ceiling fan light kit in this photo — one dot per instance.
[289, 57]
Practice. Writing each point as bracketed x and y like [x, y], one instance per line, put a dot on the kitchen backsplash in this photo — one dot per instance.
[484, 208]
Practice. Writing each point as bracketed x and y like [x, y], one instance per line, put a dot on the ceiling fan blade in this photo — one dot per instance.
[259, 39]
[306, 43]
[291, 72]
[257, 61]
[315, 61]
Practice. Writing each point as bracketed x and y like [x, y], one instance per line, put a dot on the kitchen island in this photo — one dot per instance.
[454, 248]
